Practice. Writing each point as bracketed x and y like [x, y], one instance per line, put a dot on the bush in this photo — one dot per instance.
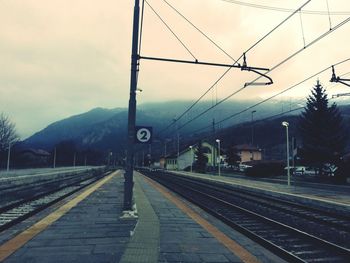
[265, 169]
[342, 172]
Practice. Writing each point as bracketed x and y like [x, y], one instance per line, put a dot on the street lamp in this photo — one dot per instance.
[286, 124]
[219, 159]
[191, 157]
[54, 158]
[8, 157]
[74, 158]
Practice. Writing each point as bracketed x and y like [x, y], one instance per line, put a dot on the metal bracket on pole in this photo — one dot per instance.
[244, 67]
[205, 63]
[340, 95]
[336, 79]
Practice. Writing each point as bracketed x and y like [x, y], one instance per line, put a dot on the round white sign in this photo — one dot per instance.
[143, 135]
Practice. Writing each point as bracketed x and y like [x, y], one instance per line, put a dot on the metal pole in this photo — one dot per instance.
[253, 126]
[288, 170]
[74, 159]
[218, 159]
[191, 157]
[128, 184]
[54, 158]
[293, 148]
[8, 157]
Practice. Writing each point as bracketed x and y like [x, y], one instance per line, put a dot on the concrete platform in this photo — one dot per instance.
[331, 197]
[88, 228]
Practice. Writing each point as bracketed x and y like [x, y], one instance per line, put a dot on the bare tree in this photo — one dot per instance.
[8, 132]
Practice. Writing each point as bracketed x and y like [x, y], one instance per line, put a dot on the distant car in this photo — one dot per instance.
[329, 169]
[243, 167]
[299, 170]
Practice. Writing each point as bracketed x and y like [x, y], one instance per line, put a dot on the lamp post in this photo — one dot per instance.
[177, 137]
[191, 157]
[54, 158]
[74, 158]
[286, 124]
[8, 157]
[219, 159]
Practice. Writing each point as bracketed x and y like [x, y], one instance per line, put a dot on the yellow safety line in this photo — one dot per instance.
[21, 239]
[233, 246]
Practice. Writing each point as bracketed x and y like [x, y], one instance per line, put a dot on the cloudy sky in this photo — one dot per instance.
[63, 57]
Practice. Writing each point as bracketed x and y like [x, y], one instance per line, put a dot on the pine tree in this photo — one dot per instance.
[201, 159]
[322, 130]
[232, 156]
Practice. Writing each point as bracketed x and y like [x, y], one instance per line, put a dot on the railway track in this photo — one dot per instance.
[22, 209]
[279, 226]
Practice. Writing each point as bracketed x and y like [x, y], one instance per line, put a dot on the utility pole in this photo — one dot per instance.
[54, 158]
[178, 143]
[143, 158]
[213, 155]
[74, 158]
[286, 124]
[129, 183]
[253, 127]
[8, 157]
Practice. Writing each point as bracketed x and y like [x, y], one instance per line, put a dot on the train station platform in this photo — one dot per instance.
[88, 227]
[326, 196]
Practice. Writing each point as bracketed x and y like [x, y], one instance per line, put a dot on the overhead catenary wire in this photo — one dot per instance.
[229, 69]
[281, 113]
[199, 30]
[172, 31]
[302, 28]
[329, 16]
[287, 10]
[276, 27]
[273, 68]
[273, 96]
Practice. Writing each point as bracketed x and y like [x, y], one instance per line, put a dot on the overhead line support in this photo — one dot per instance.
[129, 183]
[197, 62]
[338, 79]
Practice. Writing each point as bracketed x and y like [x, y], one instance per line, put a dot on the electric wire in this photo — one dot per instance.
[276, 27]
[269, 71]
[228, 70]
[281, 113]
[287, 10]
[329, 16]
[172, 31]
[273, 96]
[302, 28]
[200, 31]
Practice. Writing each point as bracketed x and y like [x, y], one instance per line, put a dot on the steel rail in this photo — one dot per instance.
[50, 200]
[203, 200]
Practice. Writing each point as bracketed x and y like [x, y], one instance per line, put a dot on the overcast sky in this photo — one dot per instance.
[61, 57]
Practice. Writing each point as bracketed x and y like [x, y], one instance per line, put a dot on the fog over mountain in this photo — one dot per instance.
[105, 129]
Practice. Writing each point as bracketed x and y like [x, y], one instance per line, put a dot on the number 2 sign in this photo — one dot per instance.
[143, 134]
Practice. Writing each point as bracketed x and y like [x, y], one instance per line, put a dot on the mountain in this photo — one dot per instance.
[70, 128]
[106, 129]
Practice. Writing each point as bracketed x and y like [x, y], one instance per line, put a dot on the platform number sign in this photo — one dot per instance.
[143, 134]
